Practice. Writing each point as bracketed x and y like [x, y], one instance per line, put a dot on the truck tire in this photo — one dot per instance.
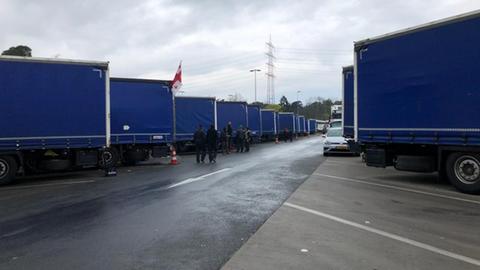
[8, 169]
[463, 171]
[108, 158]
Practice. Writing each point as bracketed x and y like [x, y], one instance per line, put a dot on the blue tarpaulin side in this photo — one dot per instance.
[268, 122]
[312, 125]
[421, 87]
[192, 112]
[254, 120]
[277, 122]
[286, 120]
[348, 105]
[51, 105]
[235, 112]
[297, 124]
[142, 111]
[301, 120]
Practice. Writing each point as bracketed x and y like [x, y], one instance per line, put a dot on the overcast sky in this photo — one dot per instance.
[218, 41]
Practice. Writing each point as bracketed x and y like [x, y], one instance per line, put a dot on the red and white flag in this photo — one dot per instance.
[177, 80]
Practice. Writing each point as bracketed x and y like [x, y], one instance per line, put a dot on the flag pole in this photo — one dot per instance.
[176, 84]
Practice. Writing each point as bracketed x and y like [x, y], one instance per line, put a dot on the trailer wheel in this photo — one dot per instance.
[108, 158]
[463, 171]
[8, 169]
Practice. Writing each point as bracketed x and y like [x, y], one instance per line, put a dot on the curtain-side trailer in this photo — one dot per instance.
[190, 113]
[255, 121]
[56, 114]
[269, 124]
[142, 118]
[417, 96]
[348, 108]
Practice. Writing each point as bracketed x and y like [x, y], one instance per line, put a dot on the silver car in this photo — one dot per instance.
[335, 143]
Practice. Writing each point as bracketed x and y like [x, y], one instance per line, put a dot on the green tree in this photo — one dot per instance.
[284, 104]
[297, 107]
[20, 50]
[258, 103]
[275, 107]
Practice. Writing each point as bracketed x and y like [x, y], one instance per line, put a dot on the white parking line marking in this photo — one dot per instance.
[398, 188]
[48, 185]
[195, 179]
[388, 235]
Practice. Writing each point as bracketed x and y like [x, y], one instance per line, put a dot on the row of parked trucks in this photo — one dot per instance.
[412, 100]
[64, 114]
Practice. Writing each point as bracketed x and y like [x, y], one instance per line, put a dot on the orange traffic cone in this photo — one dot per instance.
[173, 160]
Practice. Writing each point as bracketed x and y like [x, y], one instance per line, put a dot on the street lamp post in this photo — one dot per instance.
[255, 80]
[298, 100]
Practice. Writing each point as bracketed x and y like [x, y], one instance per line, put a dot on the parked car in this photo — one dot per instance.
[336, 124]
[335, 143]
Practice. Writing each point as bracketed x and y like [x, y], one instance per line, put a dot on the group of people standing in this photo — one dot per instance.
[210, 141]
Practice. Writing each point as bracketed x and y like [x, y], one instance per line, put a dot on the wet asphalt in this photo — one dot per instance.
[350, 216]
[155, 216]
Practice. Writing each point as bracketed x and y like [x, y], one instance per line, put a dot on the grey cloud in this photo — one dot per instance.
[218, 41]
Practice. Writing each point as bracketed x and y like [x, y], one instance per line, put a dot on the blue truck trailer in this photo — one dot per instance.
[312, 126]
[269, 124]
[142, 118]
[301, 124]
[56, 114]
[191, 112]
[277, 119]
[347, 97]
[417, 96]
[255, 121]
[297, 124]
[286, 120]
[234, 112]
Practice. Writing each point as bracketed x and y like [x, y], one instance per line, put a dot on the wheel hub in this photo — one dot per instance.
[467, 169]
[3, 168]
[107, 156]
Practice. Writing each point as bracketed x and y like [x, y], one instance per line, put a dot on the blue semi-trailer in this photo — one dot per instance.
[191, 112]
[301, 124]
[56, 114]
[312, 126]
[255, 121]
[269, 124]
[297, 125]
[417, 96]
[234, 112]
[141, 118]
[286, 120]
[347, 97]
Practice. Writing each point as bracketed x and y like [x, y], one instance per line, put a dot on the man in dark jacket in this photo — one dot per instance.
[223, 139]
[212, 138]
[199, 139]
[286, 134]
[248, 139]
[229, 137]
[240, 139]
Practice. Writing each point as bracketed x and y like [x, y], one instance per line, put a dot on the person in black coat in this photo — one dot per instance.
[240, 139]
[248, 139]
[212, 139]
[223, 139]
[286, 134]
[229, 137]
[199, 138]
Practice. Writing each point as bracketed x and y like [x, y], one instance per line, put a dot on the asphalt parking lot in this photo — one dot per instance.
[279, 207]
[189, 216]
[348, 216]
